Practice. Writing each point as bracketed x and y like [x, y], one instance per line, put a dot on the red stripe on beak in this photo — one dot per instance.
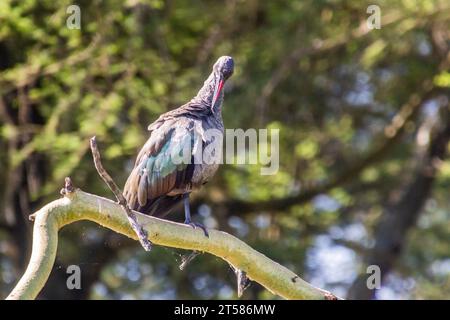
[217, 94]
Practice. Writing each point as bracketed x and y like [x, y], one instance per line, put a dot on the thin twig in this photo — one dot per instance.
[243, 282]
[186, 259]
[141, 233]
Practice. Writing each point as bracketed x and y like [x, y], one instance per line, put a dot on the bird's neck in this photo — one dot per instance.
[206, 94]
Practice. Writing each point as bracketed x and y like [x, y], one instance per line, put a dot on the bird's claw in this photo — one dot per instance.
[195, 225]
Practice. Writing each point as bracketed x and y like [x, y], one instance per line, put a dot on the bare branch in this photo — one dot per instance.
[78, 205]
[140, 232]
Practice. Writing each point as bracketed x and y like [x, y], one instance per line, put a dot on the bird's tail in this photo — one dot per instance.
[161, 206]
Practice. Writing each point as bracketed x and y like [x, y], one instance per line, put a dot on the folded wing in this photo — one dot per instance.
[164, 167]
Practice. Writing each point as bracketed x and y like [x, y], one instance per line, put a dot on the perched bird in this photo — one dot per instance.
[159, 180]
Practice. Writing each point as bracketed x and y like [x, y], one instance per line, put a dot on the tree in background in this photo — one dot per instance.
[363, 118]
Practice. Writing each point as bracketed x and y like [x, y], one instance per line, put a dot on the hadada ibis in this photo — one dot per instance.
[157, 183]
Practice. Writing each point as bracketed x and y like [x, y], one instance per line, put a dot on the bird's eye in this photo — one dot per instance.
[227, 72]
[225, 65]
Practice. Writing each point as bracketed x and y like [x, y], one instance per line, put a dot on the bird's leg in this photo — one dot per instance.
[187, 214]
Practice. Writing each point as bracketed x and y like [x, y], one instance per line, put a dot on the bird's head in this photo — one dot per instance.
[223, 69]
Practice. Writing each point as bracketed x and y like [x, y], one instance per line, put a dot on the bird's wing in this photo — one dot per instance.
[192, 109]
[164, 162]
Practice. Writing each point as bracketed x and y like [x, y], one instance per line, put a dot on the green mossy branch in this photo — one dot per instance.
[78, 205]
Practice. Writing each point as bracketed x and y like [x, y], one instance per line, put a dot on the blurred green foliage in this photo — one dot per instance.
[308, 68]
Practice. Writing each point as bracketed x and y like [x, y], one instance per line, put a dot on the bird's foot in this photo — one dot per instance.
[195, 225]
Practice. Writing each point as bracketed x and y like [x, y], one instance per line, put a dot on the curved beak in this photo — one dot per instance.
[217, 91]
